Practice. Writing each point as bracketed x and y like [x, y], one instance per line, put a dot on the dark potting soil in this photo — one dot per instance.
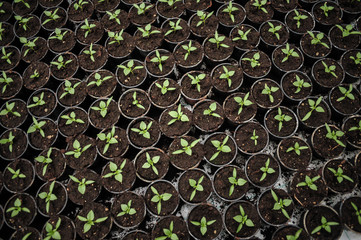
[21, 9]
[348, 213]
[349, 64]
[327, 148]
[169, 206]
[225, 18]
[350, 6]
[32, 27]
[109, 120]
[36, 82]
[8, 11]
[190, 90]
[93, 36]
[253, 37]
[346, 106]
[204, 29]
[106, 88]
[148, 17]
[167, 11]
[20, 143]
[80, 14]
[207, 123]
[69, 70]
[74, 128]
[243, 135]
[136, 77]
[353, 137]
[50, 131]
[231, 108]
[53, 24]
[22, 232]
[334, 16]
[112, 25]
[66, 228]
[148, 43]
[290, 89]
[283, 232]
[315, 50]
[257, 71]
[186, 190]
[167, 65]
[14, 58]
[102, 6]
[200, 5]
[23, 218]
[128, 176]
[127, 220]
[179, 227]
[222, 184]
[283, 6]
[10, 120]
[49, 3]
[140, 235]
[218, 53]
[223, 157]
[222, 84]
[86, 158]
[117, 149]
[140, 141]
[291, 159]
[332, 181]
[164, 100]
[131, 110]
[12, 88]
[64, 45]
[271, 38]
[19, 184]
[54, 169]
[350, 42]
[256, 15]
[305, 24]
[178, 35]
[178, 128]
[183, 160]
[317, 118]
[122, 49]
[254, 173]
[147, 173]
[288, 127]
[7, 35]
[292, 63]
[263, 100]
[193, 59]
[100, 58]
[55, 206]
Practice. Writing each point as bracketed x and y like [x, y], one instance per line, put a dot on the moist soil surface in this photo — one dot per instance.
[283, 6]
[45, 109]
[332, 181]
[207, 123]
[53, 170]
[289, 231]
[140, 141]
[55, 206]
[147, 173]
[167, 11]
[345, 43]
[291, 159]
[223, 157]
[50, 135]
[86, 158]
[256, 15]
[60, 46]
[109, 120]
[290, 90]
[149, 16]
[130, 110]
[315, 50]
[353, 137]
[73, 128]
[164, 100]
[117, 149]
[334, 16]
[80, 14]
[255, 163]
[231, 109]
[325, 147]
[36, 82]
[349, 65]
[263, 100]
[243, 136]
[225, 19]
[7, 33]
[20, 143]
[19, 184]
[178, 128]
[348, 213]
[346, 106]
[186, 190]
[10, 120]
[190, 90]
[21, 9]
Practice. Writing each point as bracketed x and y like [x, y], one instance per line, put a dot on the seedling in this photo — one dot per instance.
[158, 198]
[260, 5]
[242, 220]
[81, 184]
[242, 35]
[6, 80]
[1, 29]
[254, 137]
[87, 27]
[297, 148]
[29, 44]
[235, 182]
[281, 204]
[326, 9]
[52, 233]
[268, 91]
[115, 171]
[299, 17]
[69, 88]
[282, 118]
[16, 173]
[151, 161]
[129, 68]
[218, 40]
[114, 15]
[178, 116]
[168, 232]
[314, 106]
[143, 129]
[23, 21]
[334, 135]
[26, 236]
[229, 10]
[274, 29]
[158, 59]
[45, 160]
[346, 93]
[108, 138]
[60, 62]
[300, 83]
[23, 2]
[127, 209]
[99, 80]
[9, 140]
[90, 220]
[146, 32]
[289, 52]
[317, 39]
[196, 185]
[136, 102]
[90, 52]
[358, 212]
[16, 209]
[356, 128]
[187, 148]
[254, 60]
[339, 174]
[243, 102]
[80, 4]
[189, 48]
[1, 10]
[48, 196]
[38, 101]
[330, 69]
[221, 147]
[142, 8]
[347, 31]
[78, 150]
[203, 224]
[324, 225]
[117, 36]
[6, 55]
[196, 80]
[203, 16]
[52, 16]
[309, 182]
[172, 4]
[35, 75]
[103, 107]
[174, 27]
[37, 126]
[164, 88]
[227, 75]
[59, 34]
[357, 58]
[9, 109]
[211, 110]
[296, 236]
[266, 170]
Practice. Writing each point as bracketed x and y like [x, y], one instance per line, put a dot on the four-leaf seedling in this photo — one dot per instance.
[37, 126]
[235, 182]
[115, 171]
[90, 221]
[189, 48]
[300, 83]
[280, 117]
[346, 93]
[158, 198]
[218, 40]
[339, 175]
[78, 150]
[51, 232]
[196, 185]
[108, 138]
[69, 88]
[210, 111]
[5, 79]
[143, 129]
[175, 26]
[158, 59]
[150, 162]
[316, 39]
[165, 87]
[17, 208]
[168, 233]
[334, 135]
[71, 118]
[127, 209]
[297, 148]
[221, 147]
[254, 60]
[324, 225]
[243, 102]
[59, 63]
[81, 183]
[196, 80]
[38, 101]
[266, 170]
[229, 9]
[203, 224]
[330, 69]
[9, 109]
[274, 29]
[48, 196]
[99, 80]
[268, 91]
[227, 75]
[45, 160]
[103, 107]
[309, 182]
[186, 147]
[242, 220]
[314, 106]
[129, 68]
[136, 101]
[9, 140]
[289, 52]
[178, 116]
[281, 204]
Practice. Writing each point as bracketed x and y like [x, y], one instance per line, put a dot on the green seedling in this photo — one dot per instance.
[203, 224]
[210, 111]
[60, 62]
[99, 80]
[52, 16]
[146, 32]
[143, 129]
[260, 4]
[142, 8]
[69, 88]
[254, 137]
[299, 17]
[297, 148]
[136, 101]
[27, 5]
[254, 60]
[6, 55]
[170, 3]
[243, 102]
[281, 204]
[16, 173]
[168, 232]
[196, 185]
[78, 150]
[186, 147]
[355, 128]
[174, 26]
[158, 198]
[90, 52]
[81, 183]
[227, 75]
[103, 107]
[35, 75]
[268, 91]
[9, 109]
[334, 135]
[108, 138]
[274, 29]
[229, 9]
[235, 181]
[90, 221]
[339, 175]
[314, 106]
[220, 147]
[280, 117]
[309, 182]
[218, 40]
[289, 52]
[30, 45]
[16, 209]
[300, 83]
[357, 58]
[158, 59]
[51, 232]
[71, 118]
[9, 140]
[23, 21]
[347, 31]
[358, 212]
[87, 27]
[324, 225]
[203, 16]
[127, 209]
[59, 35]
[266, 170]
[48, 196]
[325, 8]
[36, 126]
[330, 69]
[129, 68]
[45, 161]
[242, 220]
[117, 37]
[196, 80]
[5, 79]
[317, 39]
[346, 93]
[114, 16]
[189, 48]
[151, 161]
[165, 87]
[178, 116]
[296, 236]
[115, 171]
[242, 35]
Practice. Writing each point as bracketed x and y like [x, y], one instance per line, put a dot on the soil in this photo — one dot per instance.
[32, 27]
[106, 6]
[348, 213]
[291, 159]
[100, 55]
[87, 158]
[58, 23]
[193, 59]
[150, 43]
[7, 34]
[20, 233]
[305, 24]
[222, 185]
[223, 157]
[94, 35]
[74, 128]
[80, 14]
[10, 120]
[185, 189]
[254, 174]
[55, 206]
[189, 90]
[49, 3]
[349, 65]
[112, 25]
[122, 49]
[205, 29]
[353, 137]
[201, 5]
[91, 191]
[127, 220]
[47, 108]
[14, 58]
[288, 127]
[147, 173]
[164, 100]
[167, 65]
[284, 7]
[350, 6]
[259, 71]
[178, 128]
[256, 15]
[98, 230]
[128, 173]
[51, 133]
[315, 50]
[106, 88]
[283, 232]
[346, 106]
[207, 123]
[61, 46]
[331, 179]
[334, 16]
[167, 11]
[225, 19]
[222, 84]
[292, 63]
[19, 184]
[66, 228]
[38, 82]
[128, 109]
[243, 135]
[117, 149]
[21, 9]
[317, 118]
[169, 206]
[184, 161]
[138, 140]
[253, 37]
[75, 99]
[251, 213]
[137, 234]
[270, 38]
[135, 78]
[148, 17]
[220, 53]
[179, 227]
[231, 108]
[100, 122]
[7, 7]
[69, 70]
[344, 43]
[262, 100]
[210, 213]
[325, 147]
[55, 169]
[23, 218]
[20, 143]
[13, 88]
[290, 90]
[176, 36]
